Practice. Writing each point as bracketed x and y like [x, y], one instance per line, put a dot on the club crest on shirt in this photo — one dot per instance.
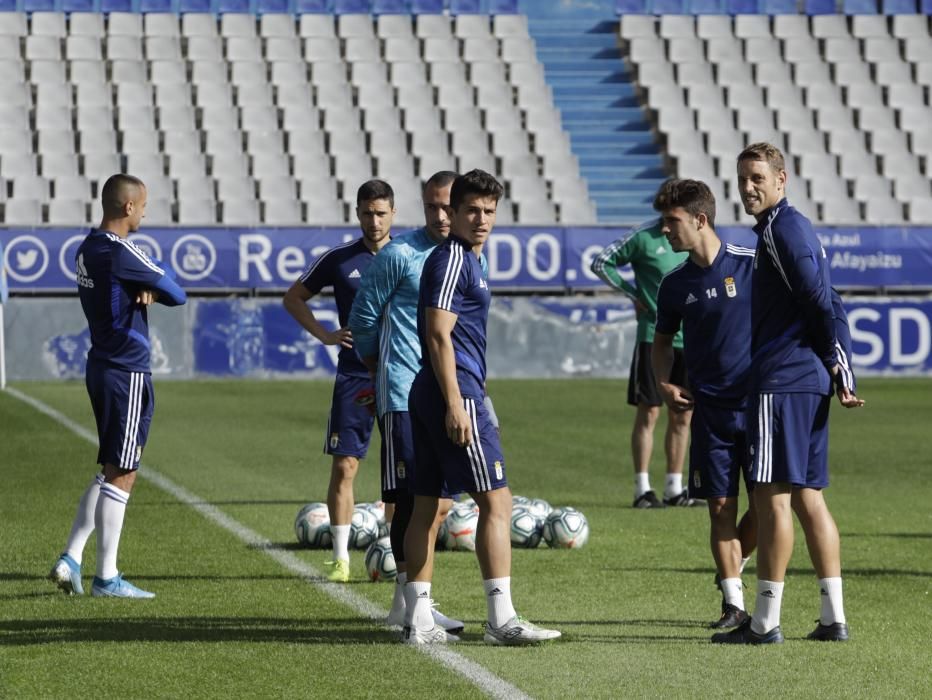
[400, 469]
[498, 470]
[334, 440]
[730, 288]
[138, 452]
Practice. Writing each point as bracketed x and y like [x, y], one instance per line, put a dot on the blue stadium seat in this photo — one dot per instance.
[465, 7]
[389, 7]
[668, 7]
[503, 7]
[899, 7]
[820, 7]
[232, 6]
[926, 7]
[77, 6]
[271, 7]
[631, 7]
[117, 6]
[860, 7]
[156, 6]
[194, 6]
[38, 5]
[7, 5]
[778, 7]
[311, 7]
[426, 7]
[742, 7]
[351, 7]
[707, 7]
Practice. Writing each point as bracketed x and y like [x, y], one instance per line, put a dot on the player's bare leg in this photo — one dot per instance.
[824, 546]
[340, 503]
[726, 551]
[747, 531]
[676, 445]
[642, 446]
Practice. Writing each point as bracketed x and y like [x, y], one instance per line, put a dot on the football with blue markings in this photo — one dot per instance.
[312, 526]
[380, 561]
[364, 528]
[566, 528]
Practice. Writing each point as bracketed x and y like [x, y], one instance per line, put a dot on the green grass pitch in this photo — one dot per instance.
[231, 621]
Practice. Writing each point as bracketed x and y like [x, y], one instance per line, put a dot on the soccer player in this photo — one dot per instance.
[796, 356]
[383, 322]
[709, 296]
[456, 446]
[352, 411]
[116, 284]
[647, 252]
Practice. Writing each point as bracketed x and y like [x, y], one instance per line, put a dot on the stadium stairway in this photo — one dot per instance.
[593, 89]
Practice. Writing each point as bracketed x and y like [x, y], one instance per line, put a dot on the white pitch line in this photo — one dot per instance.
[476, 674]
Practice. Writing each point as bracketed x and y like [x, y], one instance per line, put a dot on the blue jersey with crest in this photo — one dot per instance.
[342, 268]
[111, 272]
[713, 304]
[793, 339]
[453, 281]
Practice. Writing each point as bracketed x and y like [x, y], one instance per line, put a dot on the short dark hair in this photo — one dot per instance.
[766, 152]
[440, 179]
[116, 192]
[475, 182]
[375, 189]
[692, 195]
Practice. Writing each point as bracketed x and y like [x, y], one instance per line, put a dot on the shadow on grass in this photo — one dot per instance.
[161, 503]
[345, 631]
[897, 535]
[795, 571]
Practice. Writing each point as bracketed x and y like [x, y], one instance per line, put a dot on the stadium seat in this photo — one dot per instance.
[22, 212]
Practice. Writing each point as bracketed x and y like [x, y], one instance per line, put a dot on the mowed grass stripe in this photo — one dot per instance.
[486, 681]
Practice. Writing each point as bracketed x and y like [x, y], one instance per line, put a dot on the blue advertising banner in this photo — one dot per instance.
[552, 259]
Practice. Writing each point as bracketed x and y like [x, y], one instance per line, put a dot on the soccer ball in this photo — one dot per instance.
[461, 529]
[526, 529]
[312, 526]
[380, 561]
[539, 508]
[566, 528]
[519, 500]
[378, 510]
[466, 504]
[364, 528]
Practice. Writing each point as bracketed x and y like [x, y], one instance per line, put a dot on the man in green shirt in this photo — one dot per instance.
[650, 256]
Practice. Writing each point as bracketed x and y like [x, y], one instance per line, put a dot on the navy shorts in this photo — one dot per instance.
[788, 438]
[717, 451]
[642, 387]
[443, 469]
[397, 454]
[123, 404]
[352, 415]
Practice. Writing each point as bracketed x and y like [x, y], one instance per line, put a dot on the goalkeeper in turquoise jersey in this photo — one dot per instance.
[383, 321]
[650, 256]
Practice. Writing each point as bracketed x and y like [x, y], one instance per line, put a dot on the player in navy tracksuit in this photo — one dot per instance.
[116, 282]
[796, 357]
[709, 295]
[352, 411]
[456, 446]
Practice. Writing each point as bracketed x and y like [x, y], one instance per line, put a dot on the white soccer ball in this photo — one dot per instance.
[539, 508]
[566, 528]
[466, 504]
[377, 508]
[461, 529]
[364, 528]
[519, 500]
[380, 561]
[526, 528]
[312, 526]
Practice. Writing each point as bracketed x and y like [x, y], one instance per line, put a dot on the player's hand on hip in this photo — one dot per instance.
[145, 297]
[459, 427]
[341, 336]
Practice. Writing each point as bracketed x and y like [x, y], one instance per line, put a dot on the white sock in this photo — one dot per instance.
[108, 519]
[733, 591]
[398, 601]
[767, 607]
[498, 598]
[83, 524]
[417, 605]
[340, 534]
[833, 609]
[673, 486]
[641, 484]
[744, 562]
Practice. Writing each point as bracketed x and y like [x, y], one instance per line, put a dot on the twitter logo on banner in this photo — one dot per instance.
[27, 258]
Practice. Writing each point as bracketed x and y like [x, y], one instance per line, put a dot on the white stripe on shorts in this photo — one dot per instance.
[136, 386]
[389, 483]
[765, 438]
[477, 461]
